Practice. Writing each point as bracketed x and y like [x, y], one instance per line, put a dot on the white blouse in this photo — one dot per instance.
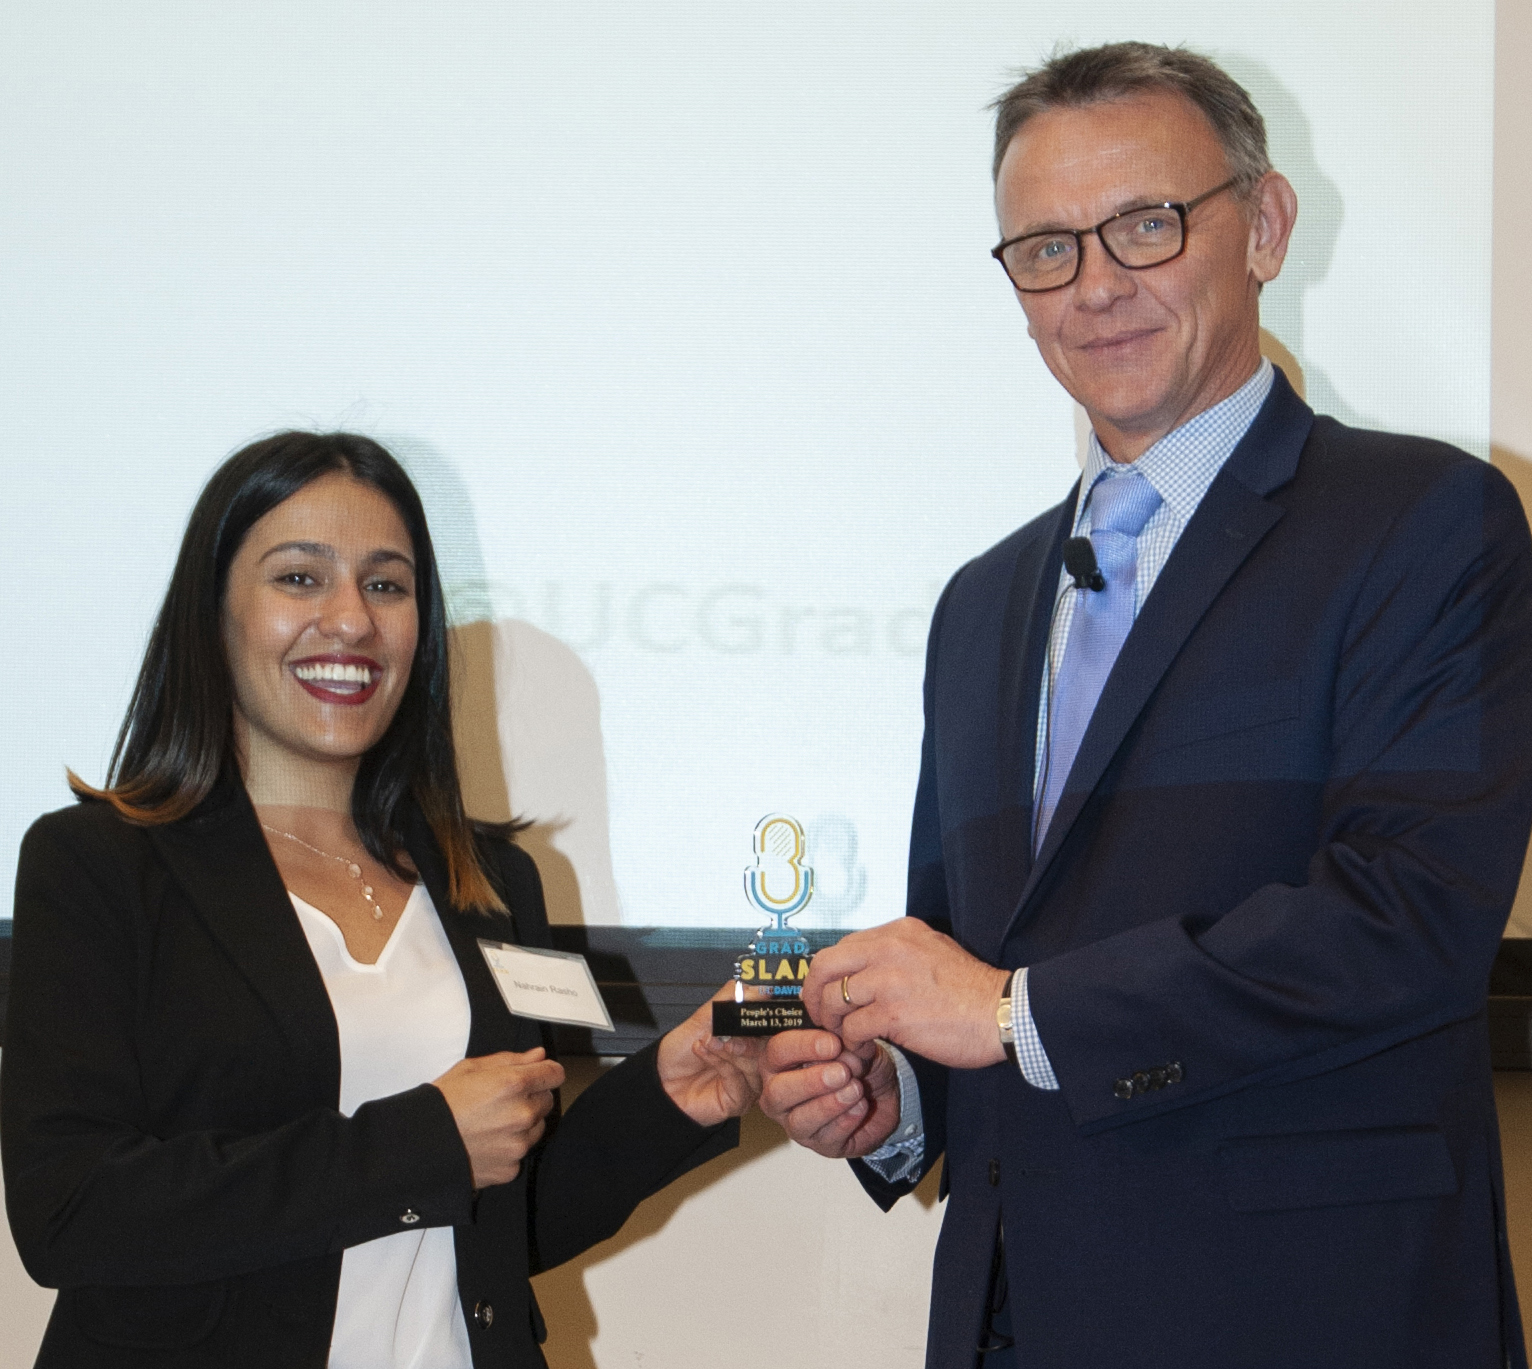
[403, 1021]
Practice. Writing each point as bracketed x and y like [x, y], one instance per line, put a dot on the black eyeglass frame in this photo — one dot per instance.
[1181, 209]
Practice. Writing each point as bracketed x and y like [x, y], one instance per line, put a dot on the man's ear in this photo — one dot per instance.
[1271, 225]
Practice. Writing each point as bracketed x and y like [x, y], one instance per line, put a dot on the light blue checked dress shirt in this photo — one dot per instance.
[1181, 466]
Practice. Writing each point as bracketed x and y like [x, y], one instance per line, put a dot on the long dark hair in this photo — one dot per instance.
[177, 740]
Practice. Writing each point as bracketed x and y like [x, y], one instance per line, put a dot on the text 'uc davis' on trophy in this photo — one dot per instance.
[769, 975]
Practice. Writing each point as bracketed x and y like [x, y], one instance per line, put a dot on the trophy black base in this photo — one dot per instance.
[759, 1017]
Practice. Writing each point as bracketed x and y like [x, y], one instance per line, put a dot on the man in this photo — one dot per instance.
[1219, 820]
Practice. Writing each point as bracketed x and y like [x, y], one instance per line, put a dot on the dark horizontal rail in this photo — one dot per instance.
[653, 977]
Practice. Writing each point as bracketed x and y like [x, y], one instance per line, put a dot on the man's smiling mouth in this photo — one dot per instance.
[1116, 340]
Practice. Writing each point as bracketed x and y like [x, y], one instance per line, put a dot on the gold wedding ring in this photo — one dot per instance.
[845, 991]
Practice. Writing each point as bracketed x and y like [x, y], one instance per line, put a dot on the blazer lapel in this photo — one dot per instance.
[492, 1028]
[1231, 520]
[219, 858]
[1025, 629]
[1027, 625]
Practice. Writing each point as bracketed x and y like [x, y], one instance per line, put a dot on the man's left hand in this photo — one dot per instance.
[911, 986]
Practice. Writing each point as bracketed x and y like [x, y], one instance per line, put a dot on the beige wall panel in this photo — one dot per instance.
[24, 1307]
[769, 1257]
[1511, 429]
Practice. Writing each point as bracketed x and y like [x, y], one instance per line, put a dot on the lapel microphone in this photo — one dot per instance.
[1080, 562]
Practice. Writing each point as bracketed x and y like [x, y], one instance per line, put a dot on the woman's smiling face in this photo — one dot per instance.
[320, 623]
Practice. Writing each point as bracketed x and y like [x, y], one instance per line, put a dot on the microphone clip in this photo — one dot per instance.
[1080, 562]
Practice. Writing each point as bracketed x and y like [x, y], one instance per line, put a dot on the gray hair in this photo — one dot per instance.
[1114, 71]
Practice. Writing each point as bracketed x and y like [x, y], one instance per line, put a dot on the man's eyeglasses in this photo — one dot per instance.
[1136, 239]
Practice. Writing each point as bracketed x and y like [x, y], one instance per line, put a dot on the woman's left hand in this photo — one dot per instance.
[710, 1078]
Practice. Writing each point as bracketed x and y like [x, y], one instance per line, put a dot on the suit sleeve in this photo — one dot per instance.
[1424, 825]
[95, 1195]
[621, 1141]
[927, 900]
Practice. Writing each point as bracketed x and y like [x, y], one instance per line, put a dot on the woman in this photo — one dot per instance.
[263, 1104]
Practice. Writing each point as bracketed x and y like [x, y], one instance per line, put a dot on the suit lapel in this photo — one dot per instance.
[220, 860]
[1025, 628]
[1024, 643]
[492, 1029]
[1229, 523]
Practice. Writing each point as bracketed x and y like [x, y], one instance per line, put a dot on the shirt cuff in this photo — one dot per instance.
[1036, 1068]
[901, 1155]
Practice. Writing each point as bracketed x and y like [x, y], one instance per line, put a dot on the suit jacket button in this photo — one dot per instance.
[994, 1173]
[484, 1314]
[1159, 1077]
[1173, 1072]
[1141, 1082]
[1123, 1088]
[409, 1216]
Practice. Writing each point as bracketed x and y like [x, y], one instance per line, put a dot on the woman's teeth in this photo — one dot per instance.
[332, 673]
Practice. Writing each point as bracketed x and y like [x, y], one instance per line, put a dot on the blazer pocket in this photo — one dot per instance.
[1223, 712]
[1336, 1168]
[158, 1318]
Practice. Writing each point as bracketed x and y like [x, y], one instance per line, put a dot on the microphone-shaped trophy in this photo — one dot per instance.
[776, 962]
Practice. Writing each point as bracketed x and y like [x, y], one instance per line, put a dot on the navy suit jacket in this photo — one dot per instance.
[1260, 926]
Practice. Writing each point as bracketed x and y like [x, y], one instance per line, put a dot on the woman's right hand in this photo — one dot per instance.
[499, 1103]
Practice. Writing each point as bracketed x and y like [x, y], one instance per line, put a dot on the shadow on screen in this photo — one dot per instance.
[1321, 212]
[526, 712]
[528, 722]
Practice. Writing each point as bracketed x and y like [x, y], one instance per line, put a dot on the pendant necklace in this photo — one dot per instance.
[352, 868]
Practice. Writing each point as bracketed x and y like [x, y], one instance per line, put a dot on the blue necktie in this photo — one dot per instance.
[1120, 505]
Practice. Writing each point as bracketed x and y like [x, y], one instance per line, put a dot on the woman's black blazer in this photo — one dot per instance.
[175, 1161]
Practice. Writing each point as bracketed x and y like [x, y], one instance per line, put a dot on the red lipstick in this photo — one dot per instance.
[338, 678]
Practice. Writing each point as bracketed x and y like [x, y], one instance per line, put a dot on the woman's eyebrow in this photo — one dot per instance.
[309, 548]
[384, 555]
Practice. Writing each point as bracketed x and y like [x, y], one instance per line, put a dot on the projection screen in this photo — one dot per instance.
[682, 315]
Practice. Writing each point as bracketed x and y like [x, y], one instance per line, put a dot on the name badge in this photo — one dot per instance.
[548, 986]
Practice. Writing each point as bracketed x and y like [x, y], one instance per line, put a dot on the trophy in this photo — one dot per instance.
[776, 962]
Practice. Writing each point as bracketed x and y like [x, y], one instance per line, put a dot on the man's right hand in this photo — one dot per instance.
[499, 1103]
[839, 1103]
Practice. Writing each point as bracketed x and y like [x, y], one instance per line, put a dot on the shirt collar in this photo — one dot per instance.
[1183, 463]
